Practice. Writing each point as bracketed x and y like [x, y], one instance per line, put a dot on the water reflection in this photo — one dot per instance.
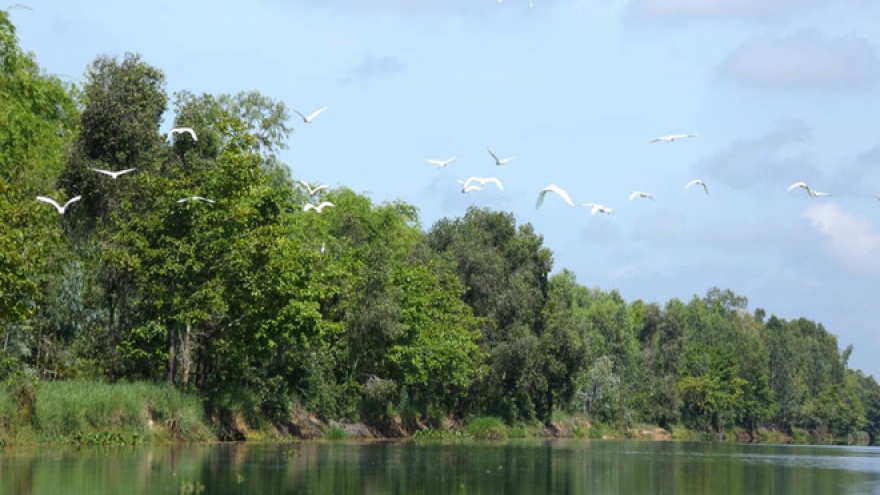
[526, 467]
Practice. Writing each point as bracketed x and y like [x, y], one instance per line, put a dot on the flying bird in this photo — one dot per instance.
[58, 207]
[481, 181]
[195, 198]
[313, 190]
[597, 208]
[308, 119]
[187, 130]
[114, 174]
[499, 161]
[321, 206]
[640, 194]
[697, 182]
[443, 163]
[554, 189]
[810, 191]
[671, 138]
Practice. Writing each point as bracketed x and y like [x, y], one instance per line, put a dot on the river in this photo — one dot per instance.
[514, 467]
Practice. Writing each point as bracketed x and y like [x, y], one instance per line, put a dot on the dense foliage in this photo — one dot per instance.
[356, 312]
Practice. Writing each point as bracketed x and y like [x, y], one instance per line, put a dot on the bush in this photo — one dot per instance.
[487, 428]
[335, 433]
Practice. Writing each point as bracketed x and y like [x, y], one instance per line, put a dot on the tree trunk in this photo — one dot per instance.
[186, 354]
[172, 355]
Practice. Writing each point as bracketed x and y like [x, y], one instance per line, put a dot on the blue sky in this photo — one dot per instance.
[778, 91]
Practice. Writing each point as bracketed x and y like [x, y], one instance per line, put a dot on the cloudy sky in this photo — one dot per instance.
[778, 91]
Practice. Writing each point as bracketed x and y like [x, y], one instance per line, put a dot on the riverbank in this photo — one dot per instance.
[84, 412]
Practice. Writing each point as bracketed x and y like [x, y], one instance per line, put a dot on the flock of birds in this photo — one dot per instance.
[475, 184]
[470, 185]
[312, 190]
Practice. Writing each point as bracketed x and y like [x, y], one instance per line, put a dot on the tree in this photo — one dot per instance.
[38, 116]
[710, 387]
[504, 268]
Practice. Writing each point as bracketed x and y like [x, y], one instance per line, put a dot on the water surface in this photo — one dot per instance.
[515, 467]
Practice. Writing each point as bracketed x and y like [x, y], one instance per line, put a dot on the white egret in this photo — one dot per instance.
[810, 191]
[308, 119]
[556, 190]
[58, 207]
[499, 161]
[697, 182]
[671, 138]
[195, 198]
[313, 190]
[597, 208]
[114, 174]
[640, 194]
[482, 181]
[187, 130]
[319, 207]
[443, 163]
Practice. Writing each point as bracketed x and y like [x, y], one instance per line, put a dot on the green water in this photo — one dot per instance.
[526, 467]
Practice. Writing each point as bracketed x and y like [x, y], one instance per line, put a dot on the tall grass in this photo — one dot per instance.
[487, 428]
[94, 412]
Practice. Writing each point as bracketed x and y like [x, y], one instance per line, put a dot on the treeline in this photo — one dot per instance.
[357, 312]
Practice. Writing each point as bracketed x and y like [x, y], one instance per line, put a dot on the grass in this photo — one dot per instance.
[85, 412]
[487, 428]
[335, 433]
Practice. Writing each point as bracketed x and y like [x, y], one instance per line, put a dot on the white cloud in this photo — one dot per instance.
[805, 59]
[850, 239]
[774, 159]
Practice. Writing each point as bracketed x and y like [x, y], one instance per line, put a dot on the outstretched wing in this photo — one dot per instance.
[494, 181]
[561, 193]
[316, 113]
[494, 156]
[72, 200]
[52, 202]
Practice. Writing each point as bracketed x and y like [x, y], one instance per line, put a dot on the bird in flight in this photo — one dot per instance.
[185, 130]
[697, 182]
[556, 190]
[319, 207]
[640, 194]
[671, 138]
[308, 119]
[597, 208]
[114, 174]
[499, 161]
[195, 198]
[443, 163]
[481, 181]
[313, 190]
[58, 207]
[813, 193]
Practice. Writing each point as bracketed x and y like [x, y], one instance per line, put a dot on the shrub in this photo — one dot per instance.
[487, 428]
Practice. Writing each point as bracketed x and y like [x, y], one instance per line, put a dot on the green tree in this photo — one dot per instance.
[710, 387]
[504, 268]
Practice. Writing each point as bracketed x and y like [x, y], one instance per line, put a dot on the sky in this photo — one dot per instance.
[777, 91]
